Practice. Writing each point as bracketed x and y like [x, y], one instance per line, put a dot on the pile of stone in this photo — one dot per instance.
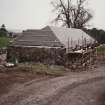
[80, 60]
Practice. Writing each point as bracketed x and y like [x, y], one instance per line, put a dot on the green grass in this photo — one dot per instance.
[101, 49]
[4, 42]
[42, 69]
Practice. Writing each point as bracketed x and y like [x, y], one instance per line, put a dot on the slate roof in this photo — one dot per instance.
[53, 37]
[37, 38]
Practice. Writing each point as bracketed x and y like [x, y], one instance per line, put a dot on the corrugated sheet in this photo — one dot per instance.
[70, 37]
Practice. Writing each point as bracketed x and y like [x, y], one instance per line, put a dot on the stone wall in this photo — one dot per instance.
[74, 61]
[34, 54]
[80, 61]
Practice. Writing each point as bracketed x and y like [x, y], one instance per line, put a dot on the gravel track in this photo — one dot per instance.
[84, 88]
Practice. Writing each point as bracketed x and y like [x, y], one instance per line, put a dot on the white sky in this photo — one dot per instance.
[27, 14]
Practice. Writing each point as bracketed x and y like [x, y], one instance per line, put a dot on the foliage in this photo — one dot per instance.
[4, 41]
[2, 34]
[99, 35]
[3, 31]
[72, 15]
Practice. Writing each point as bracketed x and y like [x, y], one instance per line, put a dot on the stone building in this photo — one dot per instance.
[48, 45]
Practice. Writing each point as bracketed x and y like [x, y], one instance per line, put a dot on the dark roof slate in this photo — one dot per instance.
[37, 38]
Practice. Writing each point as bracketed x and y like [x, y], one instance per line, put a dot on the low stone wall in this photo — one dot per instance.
[34, 54]
[74, 61]
[80, 61]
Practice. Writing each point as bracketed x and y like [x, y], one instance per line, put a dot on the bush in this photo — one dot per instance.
[4, 42]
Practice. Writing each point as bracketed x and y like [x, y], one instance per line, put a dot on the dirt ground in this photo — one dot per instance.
[8, 79]
[23, 88]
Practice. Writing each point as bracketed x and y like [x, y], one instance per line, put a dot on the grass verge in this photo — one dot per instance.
[42, 69]
[101, 49]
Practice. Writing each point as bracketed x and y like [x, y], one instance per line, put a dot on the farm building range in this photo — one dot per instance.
[48, 45]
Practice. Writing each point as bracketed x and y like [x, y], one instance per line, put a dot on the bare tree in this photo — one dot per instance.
[72, 15]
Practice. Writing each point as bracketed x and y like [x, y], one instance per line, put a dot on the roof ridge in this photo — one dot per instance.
[63, 27]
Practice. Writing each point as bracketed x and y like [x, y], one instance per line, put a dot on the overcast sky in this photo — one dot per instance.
[27, 14]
